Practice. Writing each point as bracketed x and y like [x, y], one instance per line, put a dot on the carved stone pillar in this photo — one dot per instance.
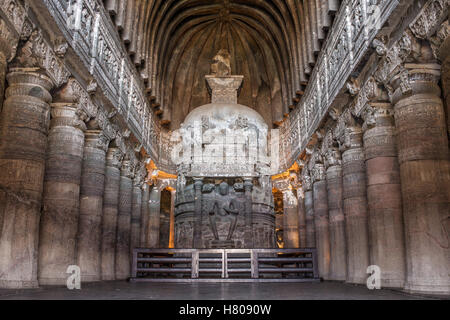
[61, 198]
[23, 144]
[110, 212]
[136, 214]
[355, 205]
[197, 241]
[154, 219]
[290, 214]
[445, 58]
[173, 195]
[7, 43]
[309, 209]
[338, 247]
[384, 195]
[3, 69]
[424, 171]
[124, 221]
[91, 205]
[321, 220]
[248, 237]
[145, 211]
[301, 217]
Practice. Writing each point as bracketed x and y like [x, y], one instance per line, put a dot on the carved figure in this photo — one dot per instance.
[221, 64]
[224, 207]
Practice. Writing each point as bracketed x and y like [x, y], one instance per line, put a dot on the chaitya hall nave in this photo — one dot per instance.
[302, 142]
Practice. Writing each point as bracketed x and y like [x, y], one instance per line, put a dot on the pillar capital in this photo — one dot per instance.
[306, 179]
[127, 169]
[66, 114]
[348, 132]
[415, 78]
[97, 140]
[330, 150]
[443, 42]
[114, 158]
[140, 175]
[30, 82]
[319, 172]
[378, 114]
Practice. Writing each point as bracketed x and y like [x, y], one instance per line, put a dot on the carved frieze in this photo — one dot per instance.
[87, 27]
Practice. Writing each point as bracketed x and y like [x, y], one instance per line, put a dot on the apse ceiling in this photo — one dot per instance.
[274, 44]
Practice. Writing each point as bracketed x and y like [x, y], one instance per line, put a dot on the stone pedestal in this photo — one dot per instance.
[290, 220]
[145, 212]
[154, 218]
[61, 199]
[123, 262]
[23, 143]
[91, 206]
[301, 218]
[424, 170]
[110, 212]
[135, 239]
[338, 248]
[321, 221]
[384, 195]
[355, 210]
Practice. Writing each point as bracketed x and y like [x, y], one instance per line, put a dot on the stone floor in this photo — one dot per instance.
[208, 291]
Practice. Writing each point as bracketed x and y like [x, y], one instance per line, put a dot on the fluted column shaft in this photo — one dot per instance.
[310, 228]
[61, 199]
[173, 195]
[445, 78]
[23, 143]
[321, 221]
[110, 213]
[355, 209]
[338, 247]
[154, 219]
[290, 220]
[384, 195]
[145, 212]
[91, 206]
[301, 218]
[124, 222]
[424, 171]
[136, 216]
[3, 70]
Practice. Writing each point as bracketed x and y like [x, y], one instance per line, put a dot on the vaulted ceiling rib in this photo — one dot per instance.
[273, 43]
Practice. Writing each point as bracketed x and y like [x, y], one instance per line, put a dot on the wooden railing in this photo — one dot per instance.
[225, 265]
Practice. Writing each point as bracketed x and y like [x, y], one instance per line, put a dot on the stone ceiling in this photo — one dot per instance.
[274, 44]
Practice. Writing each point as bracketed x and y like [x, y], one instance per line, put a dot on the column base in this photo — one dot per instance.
[87, 278]
[442, 290]
[122, 277]
[19, 284]
[357, 280]
[337, 278]
[108, 277]
[53, 281]
[392, 283]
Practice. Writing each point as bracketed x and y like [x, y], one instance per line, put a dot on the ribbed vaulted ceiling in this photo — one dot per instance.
[272, 43]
